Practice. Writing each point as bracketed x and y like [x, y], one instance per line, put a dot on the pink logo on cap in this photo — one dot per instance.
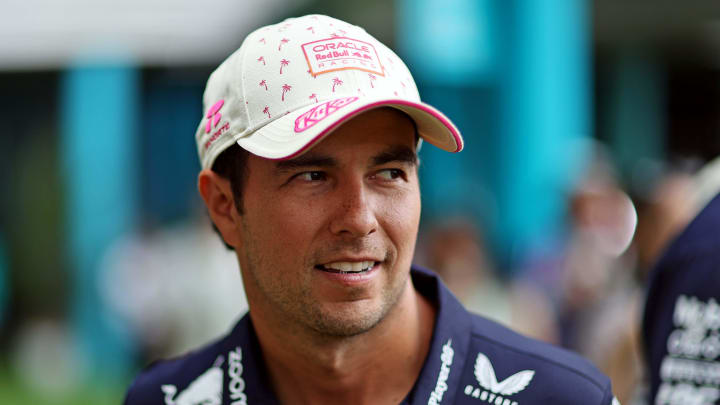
[214, 116]
[320, 112]
[340, 53]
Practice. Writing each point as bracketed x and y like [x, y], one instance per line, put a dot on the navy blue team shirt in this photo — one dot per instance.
[471, 361]
[681, 323]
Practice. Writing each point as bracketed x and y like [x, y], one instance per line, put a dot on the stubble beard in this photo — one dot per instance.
[294, 306]
[355, 320]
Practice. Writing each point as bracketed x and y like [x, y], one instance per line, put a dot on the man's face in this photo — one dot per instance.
[326, 239]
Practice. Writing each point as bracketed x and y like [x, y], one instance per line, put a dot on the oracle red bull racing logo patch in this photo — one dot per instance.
[341, 53]
[320, 112]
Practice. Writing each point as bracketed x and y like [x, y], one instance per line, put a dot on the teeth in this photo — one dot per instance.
[350, 267]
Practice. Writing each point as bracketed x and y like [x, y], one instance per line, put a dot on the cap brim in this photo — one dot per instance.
[280, 139]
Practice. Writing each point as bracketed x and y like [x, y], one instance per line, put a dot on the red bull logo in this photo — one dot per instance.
[340, 53]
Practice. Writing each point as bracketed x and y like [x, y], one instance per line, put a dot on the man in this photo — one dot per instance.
[681, 323]
[321, 204]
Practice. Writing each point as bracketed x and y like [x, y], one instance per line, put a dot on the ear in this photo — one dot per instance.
[220, 202]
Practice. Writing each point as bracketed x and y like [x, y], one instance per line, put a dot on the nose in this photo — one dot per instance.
[354, 214]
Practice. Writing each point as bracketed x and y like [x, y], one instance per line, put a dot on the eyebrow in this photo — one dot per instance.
[307, 160]
[395, 154]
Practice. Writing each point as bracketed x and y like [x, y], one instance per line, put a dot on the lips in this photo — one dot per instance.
[347, 267]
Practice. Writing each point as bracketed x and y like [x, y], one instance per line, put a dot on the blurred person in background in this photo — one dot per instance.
[309, 154]
[681, 323]
[593, 297]
[681, 320]
[455, 250]
[599, 293]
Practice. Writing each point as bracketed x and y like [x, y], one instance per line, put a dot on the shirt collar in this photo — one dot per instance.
[247, 378]
[449, 345]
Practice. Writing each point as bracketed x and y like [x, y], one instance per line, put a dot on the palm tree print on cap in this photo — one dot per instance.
[313, 96]
[372, 79]
[336, 81]
[261, 59]
[283, 63]
[285, 89]
[264, 84]
[283, 41]
[267, 111]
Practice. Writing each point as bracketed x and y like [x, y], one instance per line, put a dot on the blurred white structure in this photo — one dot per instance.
[42, 34]
[178, 287]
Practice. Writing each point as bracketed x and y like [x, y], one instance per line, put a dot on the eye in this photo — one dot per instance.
[390, 174]
[311, 176]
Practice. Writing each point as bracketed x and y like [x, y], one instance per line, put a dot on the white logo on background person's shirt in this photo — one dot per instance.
[441, 385]
[493, 391]
[690, 371]
[205, 390]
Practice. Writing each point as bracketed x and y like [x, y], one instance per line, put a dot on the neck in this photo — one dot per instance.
[378, 366]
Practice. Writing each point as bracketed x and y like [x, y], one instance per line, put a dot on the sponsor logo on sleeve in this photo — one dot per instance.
[340, 53]
[493, 391]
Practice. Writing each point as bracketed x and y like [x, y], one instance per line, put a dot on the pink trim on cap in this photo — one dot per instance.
[334, 125]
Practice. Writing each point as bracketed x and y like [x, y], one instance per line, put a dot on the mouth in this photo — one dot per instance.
[347, 267]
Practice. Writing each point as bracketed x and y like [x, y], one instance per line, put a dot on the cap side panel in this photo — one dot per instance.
[241, 87]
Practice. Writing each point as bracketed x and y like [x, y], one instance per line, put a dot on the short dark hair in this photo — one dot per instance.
[231, 164]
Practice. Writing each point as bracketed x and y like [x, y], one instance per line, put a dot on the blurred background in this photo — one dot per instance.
[585, 124]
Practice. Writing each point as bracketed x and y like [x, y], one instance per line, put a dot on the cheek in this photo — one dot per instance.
[283, 227]
[402, 222]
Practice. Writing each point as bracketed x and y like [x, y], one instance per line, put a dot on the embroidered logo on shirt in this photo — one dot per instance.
[441, 385]
[206, 389]
[493, 391]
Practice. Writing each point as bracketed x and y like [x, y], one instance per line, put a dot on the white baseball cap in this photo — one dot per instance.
[291, 84]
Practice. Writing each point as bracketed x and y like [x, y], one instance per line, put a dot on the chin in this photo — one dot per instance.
[353, 318]
[344, 328]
